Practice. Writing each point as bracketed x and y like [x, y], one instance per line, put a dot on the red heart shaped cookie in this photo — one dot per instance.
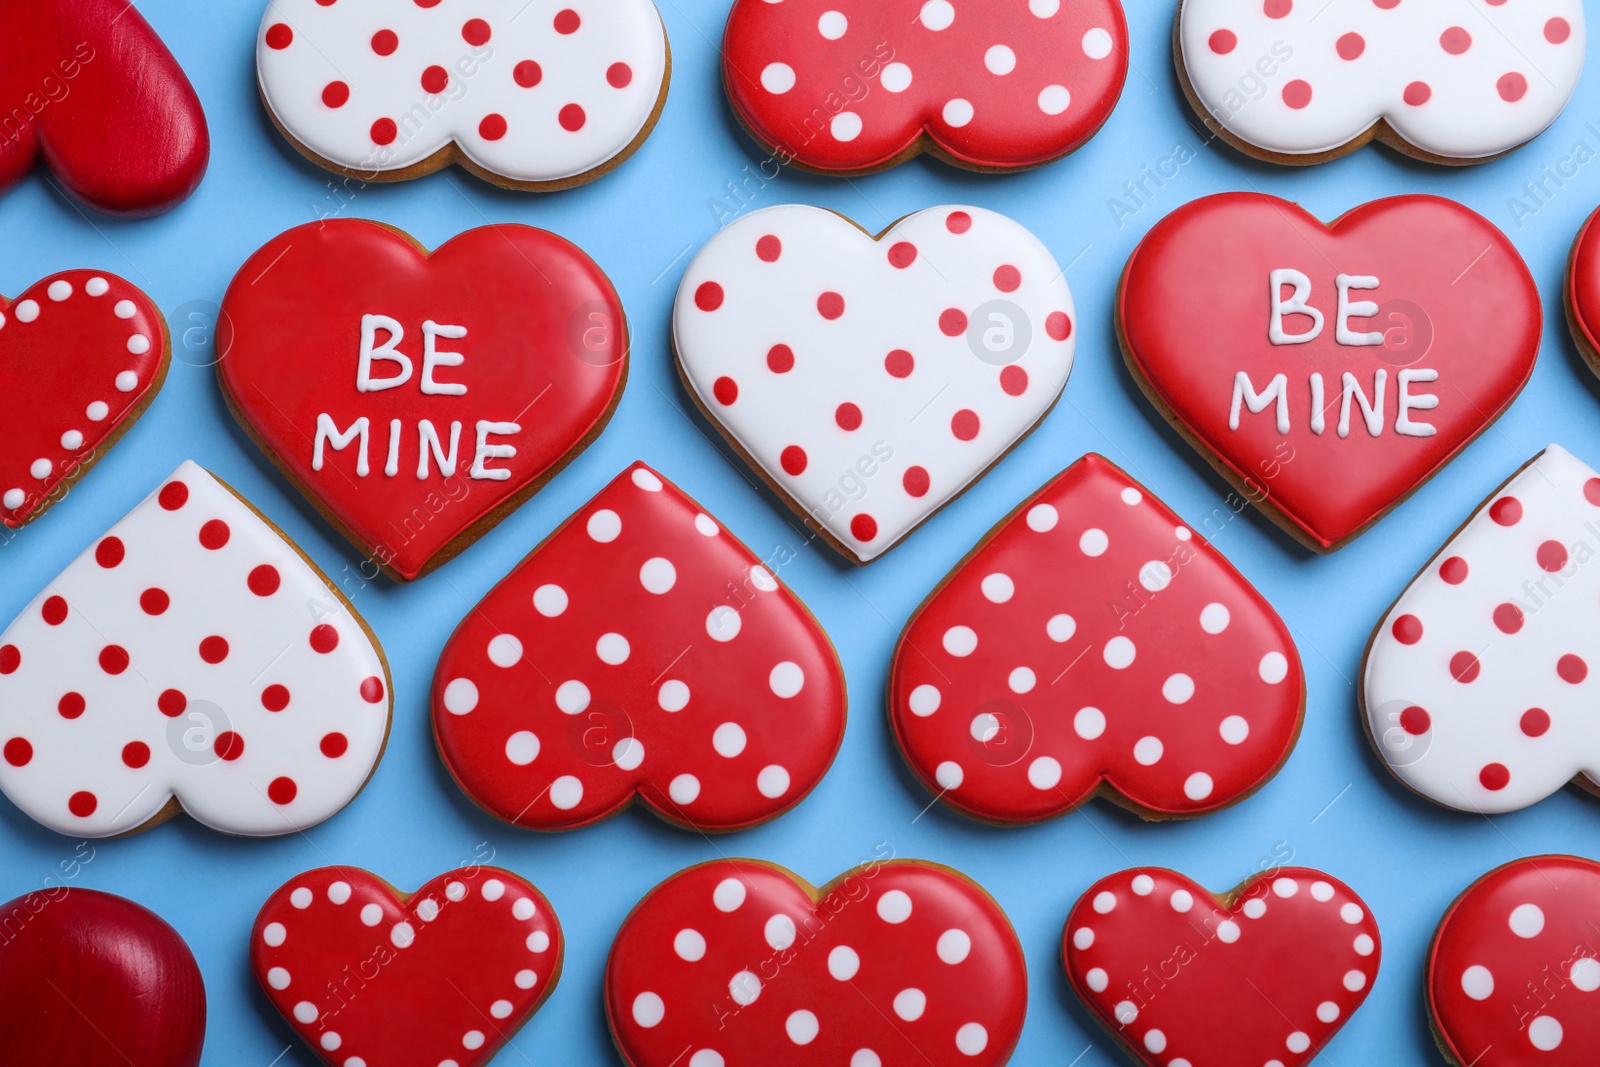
[739, 961]
[82, 354]
[1328, 370]
[418, 399]
[89, 979]
[854, 86]
[1092, 644]
[1514, 969]
[92, 92]
[1265, 974]
[641, 650]
[367, 975]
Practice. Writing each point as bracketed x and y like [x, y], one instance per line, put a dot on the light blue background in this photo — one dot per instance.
[1333, 804]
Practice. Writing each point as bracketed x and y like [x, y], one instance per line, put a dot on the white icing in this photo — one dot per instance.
[1295, 305]
[1245, 396]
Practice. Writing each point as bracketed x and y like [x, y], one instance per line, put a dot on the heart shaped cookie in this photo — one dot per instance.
[1582, 292]
[191, 659]
[1477, 684]
[82, 355]
[418, 399]
[870, 380]
[88, 979]
[855, 86]
[1265, 974]
[641, 650]
[92, 93]
[1089, 645]
[1327, 371]
[1515, 965]
[366, 974]
[739, 961]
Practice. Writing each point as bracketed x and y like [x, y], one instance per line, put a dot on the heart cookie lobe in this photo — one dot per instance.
[1327, 371]
[739, 961]
[82, 355]
[1582, 295]
[1479, 681]
[417, 399]
[193, 659]
[1265, 974]
[1092, 644]
[1515, 965]
[640, 651]
[447, 974]
[870, 380]
[854, 87]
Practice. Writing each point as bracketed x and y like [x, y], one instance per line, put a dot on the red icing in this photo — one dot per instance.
[1583, 292]
[545, 350]
[1454, 297]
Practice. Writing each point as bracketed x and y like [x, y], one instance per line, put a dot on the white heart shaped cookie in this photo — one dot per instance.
[870, 380]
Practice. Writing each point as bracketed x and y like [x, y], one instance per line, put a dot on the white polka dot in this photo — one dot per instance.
[690, 945]
[1285, 887]
[1155, 1041]
[1178, 689]
[1298, 1042]
[1044, 773]
[1147, 751]
[648, 1010]
[306, 1012]
[538, 941]
[1545, 1033]
[1586, 974]
[1060, 628]
[1321, 891]
[1022, 680]
[779, 932]
[728, 895]
[1000, 60]
[628, 754]
[1234, 729]
[522, 748]
[846, 126]
[998, 588]
[673, 695]
[724, 623]
[832, 25]
[801, 1026]
[896, 78]
[278, 978]
[843, 963]
[684, 789]
[1119, 653]
[493, 890]
[1254, 908]
[500, 1009]
[949, 775]
[1198, 786]
[1042, 518]
[456, 891]
[728, 739]
[504, 650]
[786, 680]
[1355, 981]
[1126, 1012]
[339, 893]
[371, 915]
[1274, 668]
[953, 946]
[96, 286]
[1181, 533]
[613, 649]
[1527, 920]
[1089, 723]
[1094, 542]
[894, 907]
[1053, 100]
[971, 1039]
[572, 696]
[97, 411]
[1214, 618]
[1328, 1011]
[1097, 44]
[526, 979]
[523, 909]
[1105, 902]
[760, 577]
[1082, 938]
[1097, 979]
[124, 309]
[402, 934]
[28, 310]
[1228, 931]
[1142, 885]
[960, 641]
[1364, 945]
[566, 792]
[1155, 576]
[958, 112]
[658, 575]
[460, 696]
[1352, 914]
[865, 1057]
[40, 469]
[72, 440]
[938, 14]
[604, 526]
[985, 727]
[1181, 900]
[777, 78]
[550, 600]
[301, 898]
[924, 701]
[138, 344]
[274, 934]
[772, 782]
[909, 1004]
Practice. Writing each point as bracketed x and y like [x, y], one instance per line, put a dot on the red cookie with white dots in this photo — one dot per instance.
[191, 659]
[536, 99]
[1479, 684]
[850, 87]
[82, 355]
[739, 961]
[640, 651]
[1514, 968]
[871, 380]
[1300, 82]
[1264, 974]
[1092, 645]
[365, 974]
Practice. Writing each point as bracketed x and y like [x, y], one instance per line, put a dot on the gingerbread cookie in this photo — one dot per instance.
[537, 100]
[1327, 371]
[739, 961]
[870, 380]
[1264, 974]
[1477, 683]
[89, 979]
[1090, 645]
[397, 388]
[1582, 293]
[82, 355]
[640, 651]
[365, 974]
[855, 86]
[1515, 965]
[1295, 82]
[191, 659]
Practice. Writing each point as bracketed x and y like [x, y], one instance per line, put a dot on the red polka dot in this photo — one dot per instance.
[899, 363]
[1535, 722]
[1507, 511]
[282, 790]
[902, 254]
[1455, 40]
[1556, 31]
[275, 697]
[952, 322]
[964, 424]
[71, 705]
[324, 639]
[174, 495]
[1007, 278]
[475, 32]
[769, 248]
[54, 611]
[726, 390]
[372, 689]
[1464, 667]
[384, 131]
[435, 79]
[18, 752]
[215, 534]
[619, 75]
[708, 297]
[1591, 491]
[848, 416]
[10, 658]
[1277, 9]
[110, 552]
[1297, 94]
[1417, 94]
[336, 94]
[1058, 326]
[567, 21]
[572, 118]
[1453, 570]
[279, 36]
[527, 73]
[1512, 87]
[1407, 629]
[915, 481]
[780, 359]
[1224, 41]
[493, 127]
[1014, 380]
[1508, 618]
[334, 745]
[1416, 721]
[229, 746]
[793, 460]
[82, 804]
[1389, 5]
[264, 580]
[863, 527]
[113, 659]
[172, 703]
[958, 222]
[1495, 777]
[384, 42]
[1552, 556]
[830, 305]
[1350, 46]
[136, 754]
[214, 649]
[1572, 669]
[154, 601]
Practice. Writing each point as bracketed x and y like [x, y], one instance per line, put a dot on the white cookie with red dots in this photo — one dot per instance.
[1480, 683]
[191, 659]
[1449, 81]
[534, 97]
[870, 380]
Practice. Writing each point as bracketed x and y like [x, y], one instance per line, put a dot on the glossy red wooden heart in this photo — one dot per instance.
[1234, 321]
[418, 399]
[93, 93]
[82, 354]
[1092, 644]
[741, 962]
[89, 979]
[642, 651]
[1514, 970]
[1265, 974]
[367, 975]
